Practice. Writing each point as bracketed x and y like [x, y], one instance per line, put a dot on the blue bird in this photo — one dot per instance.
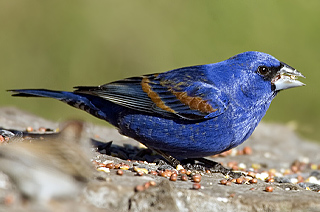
[190, 112]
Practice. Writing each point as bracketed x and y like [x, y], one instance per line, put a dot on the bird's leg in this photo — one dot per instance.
[171, 160]
[216, 167]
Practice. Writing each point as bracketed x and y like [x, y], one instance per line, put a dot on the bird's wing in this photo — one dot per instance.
[169, 94]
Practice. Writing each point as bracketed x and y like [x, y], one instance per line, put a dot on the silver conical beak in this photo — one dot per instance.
[287, 78]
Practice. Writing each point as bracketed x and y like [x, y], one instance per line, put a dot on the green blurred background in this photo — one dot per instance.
[61, 44]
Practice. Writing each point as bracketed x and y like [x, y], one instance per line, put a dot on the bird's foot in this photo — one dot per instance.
[216, 167]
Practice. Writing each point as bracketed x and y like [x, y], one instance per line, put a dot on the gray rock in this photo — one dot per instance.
[274, 146]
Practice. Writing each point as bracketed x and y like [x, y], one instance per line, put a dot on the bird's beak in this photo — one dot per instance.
[286, 78]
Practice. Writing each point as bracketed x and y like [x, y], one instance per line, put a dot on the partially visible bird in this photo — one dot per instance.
[189, 112]
[55, 168]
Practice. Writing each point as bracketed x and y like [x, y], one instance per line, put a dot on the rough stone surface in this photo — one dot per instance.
[274, 146]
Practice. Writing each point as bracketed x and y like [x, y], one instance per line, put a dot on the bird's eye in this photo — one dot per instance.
[263, 70]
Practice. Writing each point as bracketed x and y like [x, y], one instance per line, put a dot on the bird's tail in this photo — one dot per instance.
[92, 104]
[60, 95]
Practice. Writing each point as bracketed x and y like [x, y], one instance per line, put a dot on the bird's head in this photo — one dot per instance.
[262, 76]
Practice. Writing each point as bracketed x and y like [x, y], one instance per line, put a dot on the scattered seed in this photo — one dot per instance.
[169, 172]
[139, 188]
[184, 177]
[146, 185]
[140, 173]
[239, 180]
[232, 164]
[240, 152]
[152, 183]
[251, 189]
[269, 189]
[232, 195]
[179, 167]
[153, 173]
[117, 166]
[251, 174]
[101, 165]
[29, 129]
[256, 166]
[103, 169]
[196, 178]
[196, 186]
[164, 174]
[242, 166]
[182, 171]
[272, 172]
[247, 150]
[235, 168]
[9, 200]
[228, 183]
[124, 167]
[300, 179]
[2, 139]
[294, 169]
[286, 172]
[143, 170]
[42, 129]
[188, 172]
[314, 166]
[223, 181]
[173, 177]
[253, 181]
[269, 180]
[119, 172]
[110, 165]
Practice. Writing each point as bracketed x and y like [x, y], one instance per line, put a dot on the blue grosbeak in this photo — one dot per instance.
[189, 112]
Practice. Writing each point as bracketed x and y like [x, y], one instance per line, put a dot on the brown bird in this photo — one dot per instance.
[53, 168]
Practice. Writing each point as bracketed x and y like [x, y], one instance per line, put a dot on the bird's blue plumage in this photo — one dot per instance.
[189, 112]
